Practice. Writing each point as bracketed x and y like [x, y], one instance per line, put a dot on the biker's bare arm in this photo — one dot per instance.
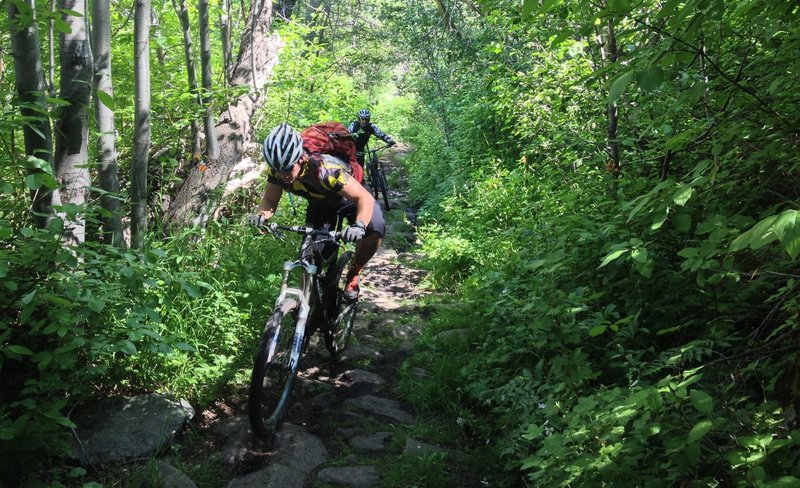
[355, 192]
[269, 200]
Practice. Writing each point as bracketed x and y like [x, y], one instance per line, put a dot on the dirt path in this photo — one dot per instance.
[347, 424]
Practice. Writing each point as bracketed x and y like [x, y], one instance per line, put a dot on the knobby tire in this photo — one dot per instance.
[272, 378]
[373, 179]
[383, 184]
[343, 311]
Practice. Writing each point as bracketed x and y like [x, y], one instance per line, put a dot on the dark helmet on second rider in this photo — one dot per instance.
[363, 114]
[282, 148]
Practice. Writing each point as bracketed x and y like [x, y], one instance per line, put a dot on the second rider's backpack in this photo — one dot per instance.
[333, 138]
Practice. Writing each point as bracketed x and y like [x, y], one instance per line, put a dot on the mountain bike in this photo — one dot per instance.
[311, 297]
[376, 175]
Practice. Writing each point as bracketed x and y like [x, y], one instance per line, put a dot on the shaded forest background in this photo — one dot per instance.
[609, 188]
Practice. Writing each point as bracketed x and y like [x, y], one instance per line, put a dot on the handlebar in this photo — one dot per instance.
[275, 229]
[376, 150]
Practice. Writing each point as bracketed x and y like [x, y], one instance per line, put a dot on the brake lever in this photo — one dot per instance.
[272, 229]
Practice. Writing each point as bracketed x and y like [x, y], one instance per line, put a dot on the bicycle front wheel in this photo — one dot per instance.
[383, 185]
[273, 373]
[343, 311]
[373, 178]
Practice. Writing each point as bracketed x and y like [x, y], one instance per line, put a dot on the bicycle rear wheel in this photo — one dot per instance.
[273, 374]
[343, 311]
[383, 185]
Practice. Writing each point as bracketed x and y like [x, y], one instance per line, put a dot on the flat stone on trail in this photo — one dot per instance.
[351, 476]
[273, 476]
[298, 449]
[348, 432]
[360, 351]
[237, 426]
[355, 377]
[404, 331]
[382, 304]
[297, 453]
[120, 428]
[383, 407]
[414, 446]
[171, 476]
[371, 442]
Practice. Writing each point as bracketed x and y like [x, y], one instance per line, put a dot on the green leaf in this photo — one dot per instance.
[645, 269]
[699, 431]
[758, 236]
[38, 180]
[702, 401]
[788, 231]
[618, 86]
[72, 13]
[38, 163]
[639, 254]
[612, 256]
[682, 195]
[783, 482]
[527, 8]
[758, 473]
[61, 26]
[106, 99]
[96, 305]
[28, 298]
[596, 331]
[21, 350]
[651, 78]
[659, 218]
[190, 289]
[619, 6]
[127, 347]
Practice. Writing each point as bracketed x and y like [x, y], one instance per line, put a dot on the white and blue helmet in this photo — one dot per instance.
[364, 114]
[283, 147]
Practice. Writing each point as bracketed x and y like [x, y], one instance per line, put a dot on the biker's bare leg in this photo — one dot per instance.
[366, 248]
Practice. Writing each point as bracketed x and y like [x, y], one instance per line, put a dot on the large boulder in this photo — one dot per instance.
[123, 428]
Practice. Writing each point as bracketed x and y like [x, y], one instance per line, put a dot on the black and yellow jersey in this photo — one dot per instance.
[321, 178]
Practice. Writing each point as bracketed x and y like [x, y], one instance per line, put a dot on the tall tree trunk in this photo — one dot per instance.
[444, 14]
[29, 78]
[212, 146]
[51, 50]
[195, 202]
[141, 137]
[155, 28]
[183, 16]
[613, 118]
[607, 43]
[72, 128]
[225, 36]
[283, 9]
[106, 143]
[317, 16]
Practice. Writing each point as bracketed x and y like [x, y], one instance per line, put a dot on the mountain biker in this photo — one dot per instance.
[327, 183]
[362, 129]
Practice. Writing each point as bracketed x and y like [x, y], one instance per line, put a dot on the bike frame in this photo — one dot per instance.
[309, 274]
[369, 153]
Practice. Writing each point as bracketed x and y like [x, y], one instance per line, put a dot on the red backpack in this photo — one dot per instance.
[333, 138]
